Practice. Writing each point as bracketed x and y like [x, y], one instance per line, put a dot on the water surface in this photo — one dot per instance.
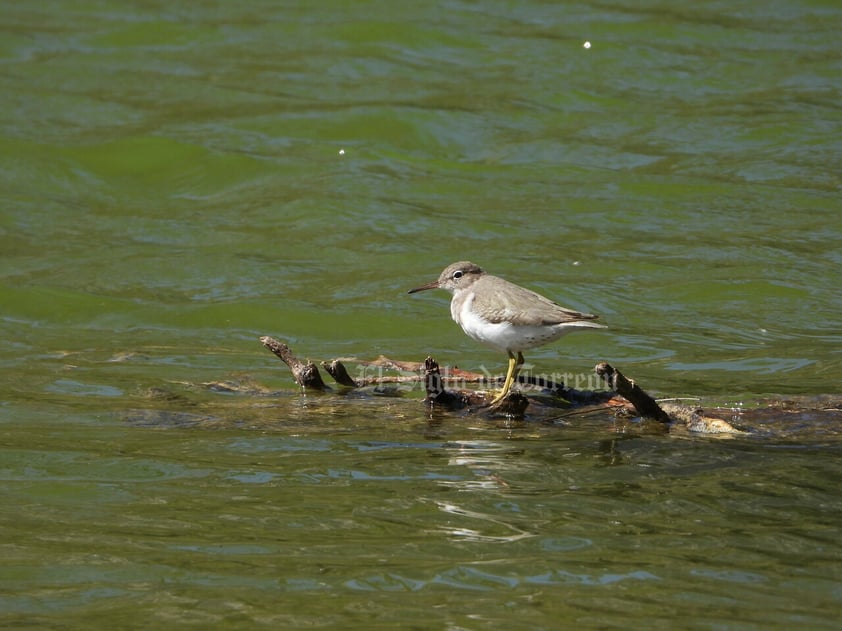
[176, 181]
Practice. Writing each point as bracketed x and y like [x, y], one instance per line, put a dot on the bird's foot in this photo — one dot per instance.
[501, 396]
[513, 404]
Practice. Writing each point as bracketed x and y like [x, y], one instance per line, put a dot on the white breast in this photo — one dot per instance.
[502, 335]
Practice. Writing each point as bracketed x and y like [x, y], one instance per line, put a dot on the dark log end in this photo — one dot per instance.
[645, 405]
[434, 387]
[337, 370]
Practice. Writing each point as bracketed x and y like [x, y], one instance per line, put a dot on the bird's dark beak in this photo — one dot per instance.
[433, 285]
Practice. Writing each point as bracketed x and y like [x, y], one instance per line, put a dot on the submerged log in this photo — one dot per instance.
[514, 405]
[433, 378]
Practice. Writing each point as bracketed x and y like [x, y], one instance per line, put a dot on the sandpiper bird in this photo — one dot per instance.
[505, 316]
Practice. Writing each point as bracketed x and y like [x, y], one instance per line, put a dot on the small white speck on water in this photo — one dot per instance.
[587, 44]
[576, 263]
[341, 152]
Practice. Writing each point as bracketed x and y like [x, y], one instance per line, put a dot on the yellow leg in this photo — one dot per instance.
[517, 369]
[511, 376]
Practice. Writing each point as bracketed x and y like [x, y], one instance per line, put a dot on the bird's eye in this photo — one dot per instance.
[458, 274]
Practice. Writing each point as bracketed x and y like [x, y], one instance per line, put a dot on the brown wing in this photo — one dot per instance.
[501, 300]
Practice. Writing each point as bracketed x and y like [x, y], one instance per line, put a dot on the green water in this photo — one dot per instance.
[176, 181]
